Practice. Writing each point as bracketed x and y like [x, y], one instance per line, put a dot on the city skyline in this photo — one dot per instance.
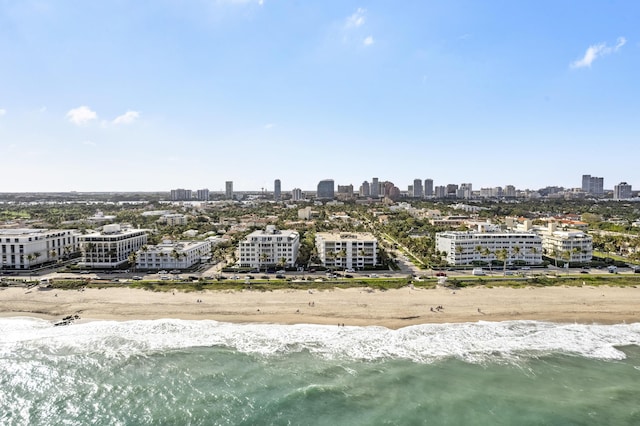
[150, 96]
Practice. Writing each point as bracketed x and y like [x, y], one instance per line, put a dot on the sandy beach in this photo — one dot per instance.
[354, 306]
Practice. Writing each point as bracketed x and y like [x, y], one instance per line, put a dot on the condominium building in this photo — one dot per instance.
[347, 250]
[269, 248]
[365, 189]
[622, 191]
[571, 246]
[473, 247]
[296, 194]
[593, 185]
[180, 194]
[202, 194]
[110, 247]
[173, 219]
[172, 255]
[26, 248]
[375, 188]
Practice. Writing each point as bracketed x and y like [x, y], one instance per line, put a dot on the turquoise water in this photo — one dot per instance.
[172, 372]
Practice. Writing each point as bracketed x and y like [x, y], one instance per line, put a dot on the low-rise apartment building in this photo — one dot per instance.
[347, 250]
[26, 248]
[573, 246]
[172, 255]
[475, 247]
[110, 247]
[268, 248]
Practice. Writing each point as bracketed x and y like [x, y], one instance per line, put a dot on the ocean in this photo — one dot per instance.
[174, 372]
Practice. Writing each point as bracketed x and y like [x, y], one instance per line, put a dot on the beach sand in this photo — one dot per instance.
[353, 306]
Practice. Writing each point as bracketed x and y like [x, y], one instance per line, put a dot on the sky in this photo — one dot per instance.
[151, 95]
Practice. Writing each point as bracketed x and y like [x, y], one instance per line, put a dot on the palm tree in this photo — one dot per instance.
[488, 254]
[516, 251]
[133, 257]
[503, 255]
[264, 256]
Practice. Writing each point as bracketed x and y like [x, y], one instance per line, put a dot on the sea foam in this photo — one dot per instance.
[472, 342]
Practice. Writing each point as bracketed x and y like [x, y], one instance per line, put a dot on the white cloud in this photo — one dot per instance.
[368, 41]
[81, 115]
[596, 51]
[89, 143]
[357, 19]
[3, 112]
[269, 126]
[127, 118]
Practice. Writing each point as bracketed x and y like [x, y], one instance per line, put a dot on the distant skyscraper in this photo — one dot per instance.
[428, 187]
[228, 190]
[296, 194]
[417, 188]
[375, 188]
[365, 189]
[180, 194]
[509, 191]
[593, 185]
[440, 191]
[465, 191]
[277, 191]
[202, 194]
[326, 190]
[622, 191]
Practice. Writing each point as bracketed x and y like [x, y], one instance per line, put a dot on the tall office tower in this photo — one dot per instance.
[417, 188]
[375, 188]
[296, 194]
[277, 191]
[202, 194]
[452, 190]
[509, 191]
[440, 191]
[365, 189]
[593, 185]
[326, 190]
[180, 194]
[228, 190]
[622, 191]
[428, 187]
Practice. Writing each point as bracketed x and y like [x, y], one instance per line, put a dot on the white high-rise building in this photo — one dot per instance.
[296, 194]
[622, 191]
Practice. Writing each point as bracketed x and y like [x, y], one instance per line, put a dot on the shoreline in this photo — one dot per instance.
[352, 306]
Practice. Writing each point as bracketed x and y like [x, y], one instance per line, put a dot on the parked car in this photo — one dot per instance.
[280, 277]
[136, 278]
[441, 274]
[163, 272]
[175, 271]
[281, 271]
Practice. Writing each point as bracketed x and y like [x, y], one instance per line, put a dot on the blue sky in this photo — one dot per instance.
[159, 94]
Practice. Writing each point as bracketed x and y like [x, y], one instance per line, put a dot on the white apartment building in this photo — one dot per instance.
[172, 255]
[347, 250]
[110, 247]
[173, 219]
[26, 248]
[574, 246]
[269, 247]
[467, 247]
